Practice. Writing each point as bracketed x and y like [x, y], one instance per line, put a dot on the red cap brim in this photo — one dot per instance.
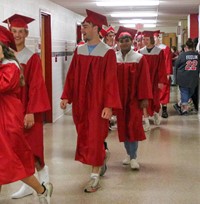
[122, 31]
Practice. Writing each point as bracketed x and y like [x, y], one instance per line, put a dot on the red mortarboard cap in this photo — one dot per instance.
[123, 31]
[95, 18]
[147, 33]
[103, 33]
[156, 33]
[18, 21]
[110, 29]
[6, 37]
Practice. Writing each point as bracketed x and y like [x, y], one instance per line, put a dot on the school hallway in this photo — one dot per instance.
[169, 166]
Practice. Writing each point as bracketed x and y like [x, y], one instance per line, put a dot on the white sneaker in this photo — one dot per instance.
[146, 127]
[25, 190]
[45, 197]
[44, 175]
[113, 123]
[134, 164]
[156, 119]
[127, 160]
[93, 185]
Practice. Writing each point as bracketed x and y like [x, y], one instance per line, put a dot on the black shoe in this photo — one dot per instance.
[177, 108]
[184, 113]
[164, 112]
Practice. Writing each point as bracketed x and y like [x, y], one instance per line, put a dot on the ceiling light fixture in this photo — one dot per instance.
[145, 25]
[149, 25]
[134, 14]
[128, 3]
[138, 21]
[129, 25]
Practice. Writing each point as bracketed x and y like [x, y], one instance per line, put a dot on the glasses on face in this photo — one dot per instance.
[127, 40]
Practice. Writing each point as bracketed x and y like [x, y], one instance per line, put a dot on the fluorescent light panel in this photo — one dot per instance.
[128, 3]
[138, 21]
[129, 25]
[145, 25]
[134, 14]
[149, 25]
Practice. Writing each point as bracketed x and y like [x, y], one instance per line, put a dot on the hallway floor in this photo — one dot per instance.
[169, 166]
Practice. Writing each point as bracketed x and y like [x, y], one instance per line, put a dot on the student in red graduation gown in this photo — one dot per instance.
[156, 62]
[165, 91]
[34, 98]
[139, 41]
[16, 157]
[135, 90]
[109, 38]
[91, 86]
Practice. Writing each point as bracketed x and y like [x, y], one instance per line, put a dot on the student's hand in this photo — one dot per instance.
[168, 77]
[29, 120]
[144, 103]
[1, 53]
[160, 85]
[106, 113]
[63, 104]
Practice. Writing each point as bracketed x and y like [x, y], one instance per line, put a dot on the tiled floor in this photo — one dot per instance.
[169, 160]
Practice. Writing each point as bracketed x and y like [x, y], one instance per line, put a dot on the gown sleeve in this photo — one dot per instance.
[38, 100]
[111, 89]
[69, 82]
[9, 77]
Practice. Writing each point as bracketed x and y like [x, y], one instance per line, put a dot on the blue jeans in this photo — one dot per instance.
[131, 149]
[186, 94]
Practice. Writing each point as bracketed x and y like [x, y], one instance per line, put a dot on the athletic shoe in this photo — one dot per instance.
[45, 197]
[127, 160]
[134, 164]
[93, 185]
[146, 127]
[177, 108]
[156, 118]
[25, 190]
[185, 113]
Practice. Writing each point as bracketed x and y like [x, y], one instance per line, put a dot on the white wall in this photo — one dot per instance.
[167, 29]
[63, 30]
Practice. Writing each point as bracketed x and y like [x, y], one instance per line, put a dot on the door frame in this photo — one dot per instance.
[46, 57]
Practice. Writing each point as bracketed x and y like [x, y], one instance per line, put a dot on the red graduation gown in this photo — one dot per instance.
[35, 100]
[91, 84]
[165, 92]
[16, 159]
[156, 62]
[134, 85]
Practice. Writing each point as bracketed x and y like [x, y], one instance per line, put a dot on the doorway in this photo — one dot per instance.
[46, 57]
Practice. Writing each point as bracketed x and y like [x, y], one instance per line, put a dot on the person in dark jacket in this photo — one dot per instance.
[187, 68]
